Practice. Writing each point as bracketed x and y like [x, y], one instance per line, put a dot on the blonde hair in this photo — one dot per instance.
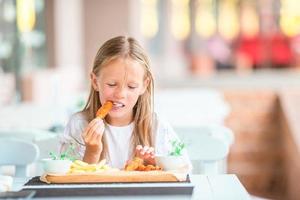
[126, 47]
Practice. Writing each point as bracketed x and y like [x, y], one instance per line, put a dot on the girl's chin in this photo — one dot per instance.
[116, 111]
[117, 114]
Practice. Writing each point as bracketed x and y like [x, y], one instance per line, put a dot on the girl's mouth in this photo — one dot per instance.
[117, 105]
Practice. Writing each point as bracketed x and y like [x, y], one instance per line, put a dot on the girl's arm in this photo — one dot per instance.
[72, 136]
[92, 137]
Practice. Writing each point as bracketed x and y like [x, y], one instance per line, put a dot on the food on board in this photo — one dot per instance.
[79, 166]
[137, 164]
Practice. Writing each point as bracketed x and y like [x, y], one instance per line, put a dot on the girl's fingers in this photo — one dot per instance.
[97, 129]
[94, 136]
[95, 140]
[90, 125]
[138, 150]
[144, 150]
[151, 161]
[146, 156]
[90, 133]
[100, 129]
[139, 147]
[99, 134]
[93, 128]
[150, 150]
[99, 138]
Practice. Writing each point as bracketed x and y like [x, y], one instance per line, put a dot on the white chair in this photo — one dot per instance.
[207, 153]
[216, 131]
[28, 134]
[226, 135]
[19, 153]
[198, 115]
[45, 140]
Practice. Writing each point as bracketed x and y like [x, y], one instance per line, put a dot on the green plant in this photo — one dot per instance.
[67, 155]
[177, 147]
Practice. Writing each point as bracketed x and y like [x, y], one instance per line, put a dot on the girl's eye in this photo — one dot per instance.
[111, 84]
[131, 87]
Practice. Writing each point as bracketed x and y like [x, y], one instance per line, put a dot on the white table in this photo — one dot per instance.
[207, 187]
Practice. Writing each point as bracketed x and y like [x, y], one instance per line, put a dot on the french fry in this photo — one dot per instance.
[80, 163]
[79, 166]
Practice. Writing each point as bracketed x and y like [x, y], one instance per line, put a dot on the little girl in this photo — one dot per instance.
[121, 74]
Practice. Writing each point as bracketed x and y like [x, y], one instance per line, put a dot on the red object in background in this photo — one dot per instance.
[274, 50]
[252, 48]
[295, 45]
[281, 53]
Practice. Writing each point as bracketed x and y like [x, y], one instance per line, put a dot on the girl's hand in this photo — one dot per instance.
[146, 153]
[92, 137]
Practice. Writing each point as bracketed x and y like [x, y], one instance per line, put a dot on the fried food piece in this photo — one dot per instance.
[131, 167]
[105, 108]
[158, 167]
[138, 160]
[137, 164]
[141, 168]
[134, 164]
[150, 168]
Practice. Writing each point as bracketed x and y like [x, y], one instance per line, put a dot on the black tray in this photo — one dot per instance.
[108, 189]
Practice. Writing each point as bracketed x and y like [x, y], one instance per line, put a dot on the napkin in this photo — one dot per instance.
[181, 173]
[5, 183]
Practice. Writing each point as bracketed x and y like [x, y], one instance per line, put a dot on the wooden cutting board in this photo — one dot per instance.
[113, 177]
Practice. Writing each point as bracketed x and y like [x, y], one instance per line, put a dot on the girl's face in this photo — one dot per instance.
[122, 82]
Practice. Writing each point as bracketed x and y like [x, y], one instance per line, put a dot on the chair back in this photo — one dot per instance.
[19, 153]
[206, 152]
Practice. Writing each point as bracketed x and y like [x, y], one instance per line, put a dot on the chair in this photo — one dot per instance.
[191, 107]
[45, 140]
[207, 153]
[19, 153]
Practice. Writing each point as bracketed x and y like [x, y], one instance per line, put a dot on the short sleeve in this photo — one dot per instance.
[72, 136]
[164, 135]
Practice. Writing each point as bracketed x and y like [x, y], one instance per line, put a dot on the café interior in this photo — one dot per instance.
[232, 64]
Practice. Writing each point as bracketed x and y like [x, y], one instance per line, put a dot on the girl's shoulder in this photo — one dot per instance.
[76, 124]
[78, 117]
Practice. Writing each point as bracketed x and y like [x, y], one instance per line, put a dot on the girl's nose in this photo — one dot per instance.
[120, 92]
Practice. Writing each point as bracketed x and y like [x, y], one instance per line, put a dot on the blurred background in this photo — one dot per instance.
[236, 63]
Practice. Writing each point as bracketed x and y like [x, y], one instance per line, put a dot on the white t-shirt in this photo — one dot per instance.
[118, 139]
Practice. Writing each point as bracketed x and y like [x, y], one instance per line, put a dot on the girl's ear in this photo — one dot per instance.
[145, 85]
[94, 81]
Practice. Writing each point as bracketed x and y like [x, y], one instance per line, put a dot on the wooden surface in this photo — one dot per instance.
[114, 177]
